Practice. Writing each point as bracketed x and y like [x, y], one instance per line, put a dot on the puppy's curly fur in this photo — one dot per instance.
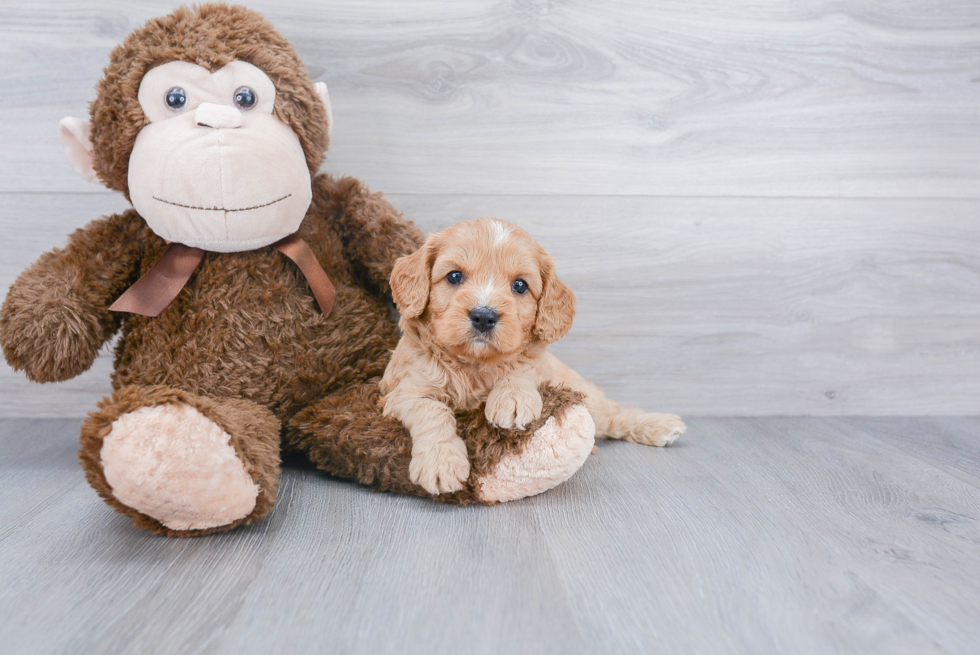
[480, 302]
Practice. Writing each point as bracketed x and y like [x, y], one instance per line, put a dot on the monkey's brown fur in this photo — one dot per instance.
[244, 342]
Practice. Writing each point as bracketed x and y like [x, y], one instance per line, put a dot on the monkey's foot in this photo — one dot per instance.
[174, 464]
[182, 464]
[555, 451]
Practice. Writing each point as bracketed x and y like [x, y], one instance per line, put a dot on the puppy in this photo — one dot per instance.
[479, 303]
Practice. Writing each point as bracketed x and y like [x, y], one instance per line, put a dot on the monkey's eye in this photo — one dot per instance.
[454, 278]
[519, 286]
[245, 98]
[176, 98]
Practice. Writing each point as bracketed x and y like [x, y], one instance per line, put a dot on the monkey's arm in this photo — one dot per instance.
[373, 232]
[55, 317]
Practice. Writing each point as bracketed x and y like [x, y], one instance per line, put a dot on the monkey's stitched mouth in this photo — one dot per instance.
[222, 209]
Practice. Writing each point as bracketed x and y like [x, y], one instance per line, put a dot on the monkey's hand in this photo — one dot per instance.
[46, 329]
[55, 317]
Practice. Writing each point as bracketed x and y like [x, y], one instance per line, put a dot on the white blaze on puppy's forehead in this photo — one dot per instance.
[499, 232]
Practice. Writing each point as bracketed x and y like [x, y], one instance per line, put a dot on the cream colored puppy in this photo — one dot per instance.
[479, 303]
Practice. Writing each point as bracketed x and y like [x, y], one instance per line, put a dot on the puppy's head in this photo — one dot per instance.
[484, 289]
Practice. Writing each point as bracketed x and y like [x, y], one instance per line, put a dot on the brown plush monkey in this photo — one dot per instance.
[206, 120]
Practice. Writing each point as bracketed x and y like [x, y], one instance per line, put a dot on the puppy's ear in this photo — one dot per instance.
[556, 306]
[410, 281]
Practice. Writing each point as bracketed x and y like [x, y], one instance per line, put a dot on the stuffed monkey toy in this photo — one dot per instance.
[252, 294]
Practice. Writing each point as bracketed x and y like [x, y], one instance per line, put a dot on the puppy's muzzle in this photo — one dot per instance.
[484, 319]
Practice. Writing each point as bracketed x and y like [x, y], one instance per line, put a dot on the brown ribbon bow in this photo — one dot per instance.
[154, 291]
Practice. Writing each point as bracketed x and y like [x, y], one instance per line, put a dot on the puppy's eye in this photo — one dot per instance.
[519, 286]
[176, 98]
[454, 278]
[245, 98]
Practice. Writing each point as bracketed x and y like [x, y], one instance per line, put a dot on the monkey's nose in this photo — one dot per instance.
[209, 114]
[484, 319]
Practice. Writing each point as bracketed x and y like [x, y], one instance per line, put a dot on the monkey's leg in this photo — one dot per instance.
[346, 435]
[181, 464]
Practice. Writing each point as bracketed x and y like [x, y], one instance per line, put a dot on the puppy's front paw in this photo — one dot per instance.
[657, 429]
[440, 466]
[513, 408]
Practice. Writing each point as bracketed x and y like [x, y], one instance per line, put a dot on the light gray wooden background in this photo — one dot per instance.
[765, 207]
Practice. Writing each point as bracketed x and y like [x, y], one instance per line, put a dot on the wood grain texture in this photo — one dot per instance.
[749, 536]
[704, 306]
[765, 208]
[764, 98]
[951, 445]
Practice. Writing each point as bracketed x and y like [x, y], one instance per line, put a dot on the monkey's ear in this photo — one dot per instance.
[321, 90]
[76, 138]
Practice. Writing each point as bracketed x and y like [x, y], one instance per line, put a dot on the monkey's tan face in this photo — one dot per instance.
[215, 169]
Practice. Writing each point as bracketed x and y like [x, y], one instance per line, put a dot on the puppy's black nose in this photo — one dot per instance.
[484, 319]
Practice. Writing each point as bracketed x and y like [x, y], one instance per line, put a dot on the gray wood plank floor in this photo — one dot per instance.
[792, 535]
